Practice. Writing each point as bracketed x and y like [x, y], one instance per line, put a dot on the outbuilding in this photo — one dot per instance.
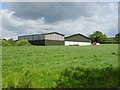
[52, 38]
[77, 39]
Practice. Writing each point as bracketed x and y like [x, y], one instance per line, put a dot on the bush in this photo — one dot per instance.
[5, 43]
[0, 42]
[88, 78]
[22, 43]
[11, 41]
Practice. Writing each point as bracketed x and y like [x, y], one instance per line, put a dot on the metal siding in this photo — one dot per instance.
[35, 37]
[54, 42]
[61, 37]
[29, 37]
[24, 37]
[78, 38]
[37, 42]
[54, 37]
[20, 38]
[67, 43]
[41, 37]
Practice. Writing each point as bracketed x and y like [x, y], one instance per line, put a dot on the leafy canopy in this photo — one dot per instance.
[98, 37]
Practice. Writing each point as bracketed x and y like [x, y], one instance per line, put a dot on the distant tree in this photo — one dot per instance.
[98, 37]
[111, 41]
[117, 37]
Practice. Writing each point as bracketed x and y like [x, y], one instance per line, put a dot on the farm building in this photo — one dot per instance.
[52, 38]
[77, 39]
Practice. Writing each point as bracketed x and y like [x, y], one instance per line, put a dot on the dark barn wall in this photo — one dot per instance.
[44, 39]
[38, 42]
[78, 38]
[46, 42]
[53, 42]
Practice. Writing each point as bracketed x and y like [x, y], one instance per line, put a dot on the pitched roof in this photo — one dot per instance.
[45, 34]
[77, 34]
[53, 33]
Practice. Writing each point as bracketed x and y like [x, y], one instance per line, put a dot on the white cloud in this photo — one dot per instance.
[104, 19]
[60, 0]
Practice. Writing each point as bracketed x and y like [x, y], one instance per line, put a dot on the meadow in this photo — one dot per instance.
[60, 66]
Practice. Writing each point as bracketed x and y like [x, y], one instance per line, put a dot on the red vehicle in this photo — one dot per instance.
[95, 43]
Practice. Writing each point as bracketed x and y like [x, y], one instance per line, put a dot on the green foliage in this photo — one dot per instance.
[0, 42]
[11, 41]
[22, 43]
[77, 77]
[5, 43]
[98, 37]
[117, 37]
[111, 41]
[41, 66]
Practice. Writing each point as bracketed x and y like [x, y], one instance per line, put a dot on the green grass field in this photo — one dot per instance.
[46, 66]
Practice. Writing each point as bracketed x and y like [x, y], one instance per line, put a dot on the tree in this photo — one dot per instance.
[98, 37]
[117, 37]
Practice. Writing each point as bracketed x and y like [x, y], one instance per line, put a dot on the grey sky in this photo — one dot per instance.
[64, 17]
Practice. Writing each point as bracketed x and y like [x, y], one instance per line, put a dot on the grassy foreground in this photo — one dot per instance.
[60, 66]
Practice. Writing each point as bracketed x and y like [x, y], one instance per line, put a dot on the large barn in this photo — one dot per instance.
[52, 38]
[77, 39]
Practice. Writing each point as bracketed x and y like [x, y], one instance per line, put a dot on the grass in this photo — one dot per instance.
[41, 66]
[0, 67]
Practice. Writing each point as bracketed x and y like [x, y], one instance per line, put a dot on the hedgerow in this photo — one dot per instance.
[22, 43]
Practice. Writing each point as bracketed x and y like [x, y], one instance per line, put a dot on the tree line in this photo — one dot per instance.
[101, 38]
[97, 36]
[11, 42]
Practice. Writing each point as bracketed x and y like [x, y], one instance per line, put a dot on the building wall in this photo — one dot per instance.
[38, 37]
[21, 37]
[77, 38]
[32, 37]
[68, 43]
[44, 39]
[38, 42]
[54, 37]
[54, 42]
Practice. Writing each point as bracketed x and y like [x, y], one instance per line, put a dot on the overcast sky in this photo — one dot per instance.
[21, 18]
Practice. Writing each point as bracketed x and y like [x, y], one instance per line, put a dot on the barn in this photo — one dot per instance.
[52, 38]
[77, 39]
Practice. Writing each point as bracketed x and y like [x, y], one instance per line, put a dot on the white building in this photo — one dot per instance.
[77, 39]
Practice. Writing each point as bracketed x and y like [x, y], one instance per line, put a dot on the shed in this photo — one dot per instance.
[52, 38]
[77, 39]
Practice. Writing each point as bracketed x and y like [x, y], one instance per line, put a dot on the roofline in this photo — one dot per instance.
[29, 35]
[53, 33]
[78, 34]
[43, 34]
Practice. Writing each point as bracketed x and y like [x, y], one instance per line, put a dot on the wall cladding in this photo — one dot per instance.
[77, 38]
[68, 43]
[54, 42]
[54, 37]
[38, 42]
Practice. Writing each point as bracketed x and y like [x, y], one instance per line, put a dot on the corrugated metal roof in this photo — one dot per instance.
[67, 35]
[44, 34]
[77, 34]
